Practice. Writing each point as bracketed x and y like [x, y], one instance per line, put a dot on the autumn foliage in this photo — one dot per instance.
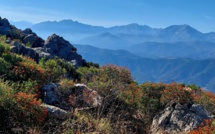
[29, 107]
[207, 127]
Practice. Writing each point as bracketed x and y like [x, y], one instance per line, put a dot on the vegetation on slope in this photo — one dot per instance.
[127, 107]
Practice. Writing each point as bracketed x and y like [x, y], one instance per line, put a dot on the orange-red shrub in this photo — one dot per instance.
[175, 92]
[207, 127]
[29, 109]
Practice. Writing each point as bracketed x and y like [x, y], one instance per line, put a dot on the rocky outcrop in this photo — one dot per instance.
[18, 48]
[5, 27]
[50, 94]
[55, 111]
[32, 38]
[177, 118]
[52, 47]
[83, 96]
[57, 46]
[26, 36]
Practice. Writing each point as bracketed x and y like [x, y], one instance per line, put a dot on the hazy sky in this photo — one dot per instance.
[156, 13]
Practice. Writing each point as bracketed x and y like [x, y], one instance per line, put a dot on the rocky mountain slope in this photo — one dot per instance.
[59, 92]
[53, 46]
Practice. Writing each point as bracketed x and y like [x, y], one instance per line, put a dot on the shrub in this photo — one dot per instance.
[207, 127]
[7, 103]
[87, 74]
[29, 110]
[4, 67]
[205, 98]
[151, 94]
[176, 92]
[53, 71]
[133, 96]
[28, 69]
[18, 109]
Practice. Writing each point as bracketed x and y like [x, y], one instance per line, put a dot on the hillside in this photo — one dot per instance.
[47, 87]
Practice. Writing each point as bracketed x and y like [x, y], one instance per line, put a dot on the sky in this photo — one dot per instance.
[200, 14]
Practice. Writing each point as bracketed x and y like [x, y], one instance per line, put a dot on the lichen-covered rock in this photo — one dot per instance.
[177, 118]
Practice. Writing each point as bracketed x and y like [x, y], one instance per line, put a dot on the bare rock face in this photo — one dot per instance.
[57, 46]
[82, 96]
[177, 118]
[4, 27]
[32, 38]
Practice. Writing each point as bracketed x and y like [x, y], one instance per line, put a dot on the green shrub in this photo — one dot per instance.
[4, 67]
[53, 71]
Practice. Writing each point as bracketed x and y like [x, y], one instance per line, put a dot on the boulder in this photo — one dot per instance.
[55, 111]
[57, 46]
[32, 38]
[50, 94]
[4, 27]
[18, 48]
[82, 96]
[177, 118]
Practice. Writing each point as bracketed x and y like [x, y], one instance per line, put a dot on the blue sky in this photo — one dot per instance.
[156, 13]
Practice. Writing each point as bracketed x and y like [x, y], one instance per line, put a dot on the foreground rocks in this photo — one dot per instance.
[55, 111]
[80, 96]
[177, 118]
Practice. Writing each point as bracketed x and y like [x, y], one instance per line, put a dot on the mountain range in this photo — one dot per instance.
[177, 53]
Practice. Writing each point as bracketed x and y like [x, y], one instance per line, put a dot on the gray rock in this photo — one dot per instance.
[4, 27]
[54, 45]
[83, 96]
[32, 38]
[50, 94]
[55, 111]
[18, 48]
[57, 46]
[178, 118]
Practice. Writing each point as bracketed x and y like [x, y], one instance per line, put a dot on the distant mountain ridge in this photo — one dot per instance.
[130, 34]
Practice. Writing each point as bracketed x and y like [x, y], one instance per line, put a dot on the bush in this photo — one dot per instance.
[4, 67]
[53, 71]
[176, 92]
[207, 127]
[28, 69]
[205, 98]
[29, 110]
[18, 109]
